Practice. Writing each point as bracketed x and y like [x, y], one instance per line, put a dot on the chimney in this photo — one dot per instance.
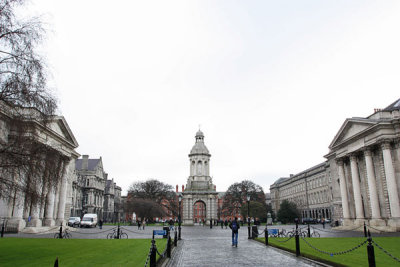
[176, 188]
[85, 162]
[183, 188]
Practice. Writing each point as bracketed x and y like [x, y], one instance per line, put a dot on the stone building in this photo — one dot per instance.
[360, 182]
[54, 207]
[309, 189]
[92, 192]
[88, 189]
[112, 202]
[200, 196]
[364, 158]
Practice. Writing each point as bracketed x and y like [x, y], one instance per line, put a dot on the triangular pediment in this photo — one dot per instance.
[350, 129]
[59, 125]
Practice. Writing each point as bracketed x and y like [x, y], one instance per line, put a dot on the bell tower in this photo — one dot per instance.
[199, 197]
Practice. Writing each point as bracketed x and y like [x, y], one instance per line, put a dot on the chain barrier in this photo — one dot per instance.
[282, 241]
[47, 231]
[335, 231]
[263, 231]
[335, 253]
[387, 253]
[95, 233]
[148, 258]
[134, 232]
[163, 254]
[378, 229]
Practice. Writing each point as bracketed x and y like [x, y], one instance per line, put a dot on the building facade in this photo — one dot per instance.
[310, 190]
[55, 201]
[92, 192]
[365, 163]
[359, 182]
[89, 187]
[199, 196]
[112, 211]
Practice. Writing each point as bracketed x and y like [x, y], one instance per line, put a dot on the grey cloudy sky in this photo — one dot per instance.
[270, 82]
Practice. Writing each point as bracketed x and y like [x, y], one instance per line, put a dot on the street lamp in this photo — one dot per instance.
[248, 215]
[179, 218]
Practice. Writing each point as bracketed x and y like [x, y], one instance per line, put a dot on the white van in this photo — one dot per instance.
[89, 220]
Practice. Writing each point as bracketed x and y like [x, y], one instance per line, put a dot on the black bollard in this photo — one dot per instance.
[176, 239]
[370, 251]
[308, 231]
[297, 239]
[60, 233]
[266, 236]
[365, 230]
[153, 253]
[169, 247]
[118, 231]
[2, 230]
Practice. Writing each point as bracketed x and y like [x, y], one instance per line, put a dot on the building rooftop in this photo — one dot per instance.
[92, 163]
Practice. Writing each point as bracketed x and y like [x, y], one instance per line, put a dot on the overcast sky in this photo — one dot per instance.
[270, 82]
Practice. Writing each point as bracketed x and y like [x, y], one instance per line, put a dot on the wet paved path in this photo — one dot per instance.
[203, 246]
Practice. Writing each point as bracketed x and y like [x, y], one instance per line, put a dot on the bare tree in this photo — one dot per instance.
[236, 196]
[144, 208]
[27, 165]
[22, 70]
[159, 193]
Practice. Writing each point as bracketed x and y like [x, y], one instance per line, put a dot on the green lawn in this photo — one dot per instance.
[357, 257]
[75, 252]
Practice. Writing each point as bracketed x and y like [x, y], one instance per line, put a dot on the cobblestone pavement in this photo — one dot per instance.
[202, 246]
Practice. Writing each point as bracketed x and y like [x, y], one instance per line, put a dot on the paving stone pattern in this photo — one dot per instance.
[203, 246]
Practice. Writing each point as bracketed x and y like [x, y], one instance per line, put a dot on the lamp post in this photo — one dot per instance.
[248, 215]
[179, 218]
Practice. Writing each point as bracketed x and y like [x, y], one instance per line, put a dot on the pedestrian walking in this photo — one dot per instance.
[323, 223]
[138, 224]
[101, 224]
[222, 224]
[144, 223]
[171, 225]
[226, 223]
[235, 231]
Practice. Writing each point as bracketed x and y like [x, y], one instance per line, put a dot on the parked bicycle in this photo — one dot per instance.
[293, 233]
[114, 235]
[315, 234]
[64, 234]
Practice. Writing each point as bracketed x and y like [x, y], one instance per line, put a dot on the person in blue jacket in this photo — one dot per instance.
[234, 225]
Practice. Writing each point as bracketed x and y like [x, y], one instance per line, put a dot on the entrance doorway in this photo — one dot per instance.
[199, 212]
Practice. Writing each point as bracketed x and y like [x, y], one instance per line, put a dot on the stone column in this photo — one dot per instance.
[56, 200]
[393, 194]
[373, 193]
[49, 221]
[343, 192]
[18, 211]
[355, 178]
[63, 195]
[35, 220]
[191, 209]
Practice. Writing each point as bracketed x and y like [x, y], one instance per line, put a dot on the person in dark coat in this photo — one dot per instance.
[101, 224]
[235, 231]
[226, 223]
